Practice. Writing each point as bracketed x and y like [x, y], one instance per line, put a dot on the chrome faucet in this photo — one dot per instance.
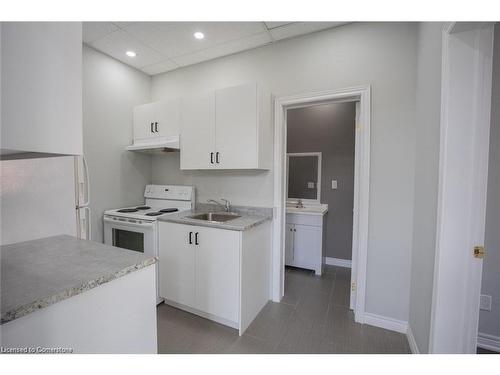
[226, 205]
[300, 204]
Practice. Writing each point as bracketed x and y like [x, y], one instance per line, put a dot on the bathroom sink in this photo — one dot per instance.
[216, 217]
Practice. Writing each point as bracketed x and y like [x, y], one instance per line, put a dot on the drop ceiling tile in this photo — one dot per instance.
[95, 30]
[119, 42]
[272, 25]
[122, 25]
[224, 49]
[174, 39]
[300, 28]
[161, 67]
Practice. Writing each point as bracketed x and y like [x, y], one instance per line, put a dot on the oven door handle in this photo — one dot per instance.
[129, 224]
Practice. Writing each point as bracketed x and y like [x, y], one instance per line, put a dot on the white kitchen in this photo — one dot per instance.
[152, 202]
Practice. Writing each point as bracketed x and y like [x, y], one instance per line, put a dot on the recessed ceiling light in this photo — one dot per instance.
[199, 35]
[131, 54]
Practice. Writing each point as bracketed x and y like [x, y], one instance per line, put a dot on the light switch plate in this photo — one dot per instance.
[485, 302]
[334, 184]
[310, 185]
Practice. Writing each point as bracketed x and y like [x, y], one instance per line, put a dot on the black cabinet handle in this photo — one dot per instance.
[212, 157]
[152, 131]
[190, 238]
[196, 238]
[156, 127]
[217, 157]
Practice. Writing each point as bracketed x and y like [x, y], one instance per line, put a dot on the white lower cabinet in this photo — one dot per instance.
[304, 242]
[211, 271]
[177, 268]
[218, 272]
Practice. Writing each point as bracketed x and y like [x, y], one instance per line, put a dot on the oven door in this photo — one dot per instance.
[130, 234]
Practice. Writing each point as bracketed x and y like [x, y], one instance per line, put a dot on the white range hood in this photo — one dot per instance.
[168, 144]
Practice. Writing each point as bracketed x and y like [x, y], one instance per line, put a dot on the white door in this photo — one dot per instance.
[217, 272]
[465, 124]
[177, 263]
[167, 117]
[236, 127]
[198, 132]
[144, 121]
[306, 246]
[289, 244]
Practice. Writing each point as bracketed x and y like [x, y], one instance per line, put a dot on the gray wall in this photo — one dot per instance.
[426, 180]
[380, 54]
[329, 129]
[110, 91]
[489, 321]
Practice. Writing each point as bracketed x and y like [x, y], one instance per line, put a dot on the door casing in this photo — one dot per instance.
[361, 94]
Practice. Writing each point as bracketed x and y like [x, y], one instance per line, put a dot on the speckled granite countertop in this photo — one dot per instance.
[36, 274]
[250, 217]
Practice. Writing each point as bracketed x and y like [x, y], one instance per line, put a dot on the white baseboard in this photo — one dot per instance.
[488, 342]
[411, 341]
[386, 323]
[338, 262]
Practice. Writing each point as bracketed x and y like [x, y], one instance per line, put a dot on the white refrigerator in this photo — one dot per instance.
[43, 197]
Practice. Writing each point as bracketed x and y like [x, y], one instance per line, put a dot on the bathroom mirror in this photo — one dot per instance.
[304, 177]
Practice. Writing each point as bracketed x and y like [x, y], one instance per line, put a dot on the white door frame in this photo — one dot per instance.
[361, 186]
[463, 173]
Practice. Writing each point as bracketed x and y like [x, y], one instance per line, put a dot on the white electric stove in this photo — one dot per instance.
[136, 227]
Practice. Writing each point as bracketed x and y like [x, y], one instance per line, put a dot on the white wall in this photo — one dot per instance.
[380, 54]
[426, 180]
[110, 91]
[37, 198]
[489, 321]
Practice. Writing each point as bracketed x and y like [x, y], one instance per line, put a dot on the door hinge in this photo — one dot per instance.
[353, 287]
[479, 252]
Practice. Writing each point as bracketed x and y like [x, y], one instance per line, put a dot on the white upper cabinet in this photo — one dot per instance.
[198, 131]
[167, 118]
[228, 129]
[157, 121]
[144, 122]
[41, 90]
[236, 112]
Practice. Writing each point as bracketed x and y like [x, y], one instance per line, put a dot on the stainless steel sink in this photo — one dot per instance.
[216, 217]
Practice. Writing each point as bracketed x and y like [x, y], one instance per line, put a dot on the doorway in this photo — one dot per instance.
[360, 96]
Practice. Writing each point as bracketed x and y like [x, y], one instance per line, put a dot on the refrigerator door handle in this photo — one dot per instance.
[86, 182]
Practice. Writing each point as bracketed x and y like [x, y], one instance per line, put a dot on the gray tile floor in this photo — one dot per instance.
[313, 317]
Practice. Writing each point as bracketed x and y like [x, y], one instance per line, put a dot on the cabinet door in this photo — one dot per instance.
[144, 122]
[198, 132]
[177, 263]
[289, 244]
[41, 87]
[217, 272]
[167, 117]
[307, 246]
[236, 127]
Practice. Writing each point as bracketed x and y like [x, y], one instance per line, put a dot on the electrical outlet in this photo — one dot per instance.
[485, 302]
[310, 185]
[334, 184]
